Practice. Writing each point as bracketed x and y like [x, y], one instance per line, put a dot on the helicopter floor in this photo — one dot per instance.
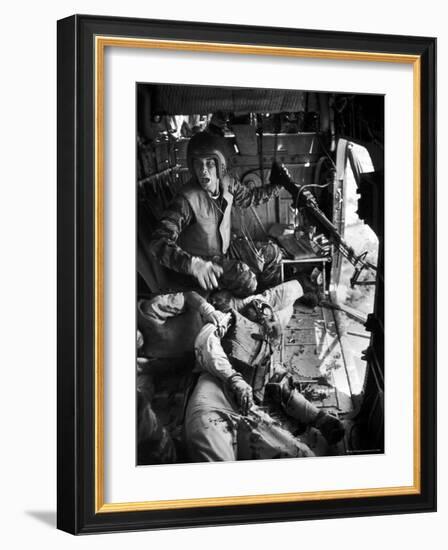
[325, 362]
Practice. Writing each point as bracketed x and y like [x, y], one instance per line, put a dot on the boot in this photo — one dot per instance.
[309, 299]
[330, 427]
[298, 407]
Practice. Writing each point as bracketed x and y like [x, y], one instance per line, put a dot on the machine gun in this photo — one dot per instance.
[304, 198]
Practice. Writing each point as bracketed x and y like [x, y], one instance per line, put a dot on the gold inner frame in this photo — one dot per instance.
[101, 42]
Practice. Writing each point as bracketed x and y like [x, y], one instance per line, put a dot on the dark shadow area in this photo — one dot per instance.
[44, 516]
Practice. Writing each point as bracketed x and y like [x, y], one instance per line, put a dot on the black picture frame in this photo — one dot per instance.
[76, 476]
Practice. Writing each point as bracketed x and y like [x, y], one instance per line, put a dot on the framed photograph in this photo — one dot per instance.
[246, 274]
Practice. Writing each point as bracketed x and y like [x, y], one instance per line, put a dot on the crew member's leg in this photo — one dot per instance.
[283, 295]
[261, 437]
[281, 298]
[211, 423]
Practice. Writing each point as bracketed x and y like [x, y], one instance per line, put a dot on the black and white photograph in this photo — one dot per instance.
[229, 224]
[260, 274]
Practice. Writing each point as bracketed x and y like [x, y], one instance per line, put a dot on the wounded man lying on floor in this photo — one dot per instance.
[224, 420]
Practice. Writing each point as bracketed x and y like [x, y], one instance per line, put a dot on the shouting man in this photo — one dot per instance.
[194, 235]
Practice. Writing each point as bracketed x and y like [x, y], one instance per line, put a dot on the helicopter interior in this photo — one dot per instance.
[331, 145]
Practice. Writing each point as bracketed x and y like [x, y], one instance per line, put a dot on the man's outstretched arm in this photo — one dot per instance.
[244, 196]
[212, 358]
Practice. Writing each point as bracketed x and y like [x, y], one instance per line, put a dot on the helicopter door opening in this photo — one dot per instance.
[354, 284]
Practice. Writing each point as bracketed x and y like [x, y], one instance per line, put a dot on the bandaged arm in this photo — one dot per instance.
[208, 313]
[211, 358]
[210, 355]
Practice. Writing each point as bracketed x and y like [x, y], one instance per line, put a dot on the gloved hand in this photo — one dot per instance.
[216, 317]
[242, 393]
[207, 273]
[238, 278]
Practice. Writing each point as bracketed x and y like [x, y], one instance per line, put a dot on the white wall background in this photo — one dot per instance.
[28, 261]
